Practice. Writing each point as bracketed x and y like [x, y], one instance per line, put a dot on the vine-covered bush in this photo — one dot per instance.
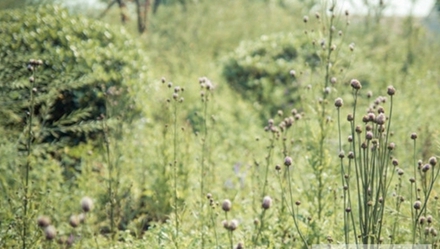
[259, 70]
[83, 61]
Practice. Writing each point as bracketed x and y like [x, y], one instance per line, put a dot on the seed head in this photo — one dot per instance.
[351, 46]
[292, 73]
[305, 19]
[347, 13]
[350, 117]
[433, 161]
[226, 205]
[43, 221]
[297, 203]
[433, 232]
[400, 172]
[288, 161]
[426, 167]
[317, 15]
[348, 209]
[355, 84]
[341, 154]
[240, 246]
[395, 162]
[429, 219]
[350, 155]
[50, 232]
[333, 80]
[339, 102]
[391, 90]
[380, 119]
[417, 205]
[170, 84]
[267, 202]
[414, 136]
[74, 221]
[86, 204]
[369, 135]
[233, 225]
[358, 129]
[422, 220]
[163, 80]
[391, 146]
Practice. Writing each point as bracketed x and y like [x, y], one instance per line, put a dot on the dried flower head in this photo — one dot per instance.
[74, 220]
[43, 221]
[355, 84]
[426, 167]
[288, 161]
[417, 205]
[433, 161]
[233, 225]
[226, 205]
[267, 202]
[380, 119]
[292, 73]
[414, 136]
[50, 232]
[305, 19]
[86, 204]
[339, 102]
[391, 90]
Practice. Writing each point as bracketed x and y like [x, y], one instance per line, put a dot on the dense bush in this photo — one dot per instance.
[259, 70]
[83, 60]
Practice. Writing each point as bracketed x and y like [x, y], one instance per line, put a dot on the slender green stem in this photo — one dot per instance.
[203, 170]
[293, 210]
[30, 137]
[175, 176]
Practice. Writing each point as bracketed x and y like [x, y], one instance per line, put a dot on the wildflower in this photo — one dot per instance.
[267, 202]
[338, 102]
[50, 232]
[86, 204]
[287, 161]
[226, 205]
[43, 221]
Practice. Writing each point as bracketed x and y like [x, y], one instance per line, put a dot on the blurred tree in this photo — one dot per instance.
[142, 9]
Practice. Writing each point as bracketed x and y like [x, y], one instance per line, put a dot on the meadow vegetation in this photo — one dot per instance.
[228, 124]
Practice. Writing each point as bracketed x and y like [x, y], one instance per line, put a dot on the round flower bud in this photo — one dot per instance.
[341, 154]
[429, 219]
[380, 119]
[417, 205]
[369, 135]
[400, 172]
[433, 161]
[350, 117]
[338, 102]
[395, 162]
[288, 161]
[305, 19]
[233, 225]
[297, 203]
[391, 90]
[391, 146]
[86, 204]
[292, 73]
[74, 221]
[267, 202]
[426, 167]
[226, 205]
[333, 80]
[43, 221]
[414, 136]
[50, 232]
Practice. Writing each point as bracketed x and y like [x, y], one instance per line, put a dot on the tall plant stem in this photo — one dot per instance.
[29, 152]
[175, 175]
[293, 210]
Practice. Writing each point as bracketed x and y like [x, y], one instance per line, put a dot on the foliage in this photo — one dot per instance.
[259, 70]
[82, 61]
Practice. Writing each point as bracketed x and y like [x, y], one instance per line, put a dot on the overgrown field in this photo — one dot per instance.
[228, 124]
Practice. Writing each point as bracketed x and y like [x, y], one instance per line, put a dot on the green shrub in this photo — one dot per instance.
[259, 70]
[82, 61]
